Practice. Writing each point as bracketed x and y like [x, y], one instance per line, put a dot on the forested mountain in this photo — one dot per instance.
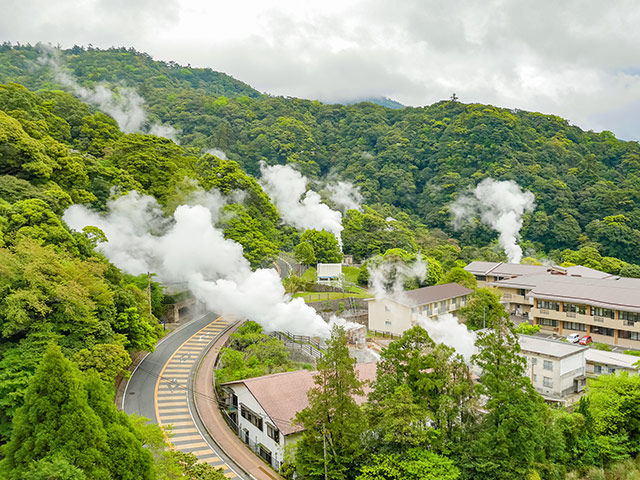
[587, 184]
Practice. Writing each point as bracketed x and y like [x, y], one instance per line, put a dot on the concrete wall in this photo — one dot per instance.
[386, 315]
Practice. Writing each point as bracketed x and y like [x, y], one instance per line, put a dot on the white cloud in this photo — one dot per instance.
[576, 59]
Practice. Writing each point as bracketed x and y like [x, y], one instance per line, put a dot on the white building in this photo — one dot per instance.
[396, 314]
[601, 362]
[328, 272]
[264, 408]
[556, 369]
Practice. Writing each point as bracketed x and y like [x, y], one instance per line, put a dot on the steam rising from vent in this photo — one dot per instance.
[125, 105]
[388, 279]
[298, 206]
[446, 329]
[218, 153]
[188, 248]
[500, 205]
[345, 196]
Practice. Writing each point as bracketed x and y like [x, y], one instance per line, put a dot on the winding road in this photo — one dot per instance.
[160, 389]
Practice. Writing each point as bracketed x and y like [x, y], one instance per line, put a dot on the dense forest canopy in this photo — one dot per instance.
[416, 159]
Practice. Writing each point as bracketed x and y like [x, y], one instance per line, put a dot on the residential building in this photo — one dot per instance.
[262, 409]
[556, 369]
[328, 272]
[601, 362]
[396, 314]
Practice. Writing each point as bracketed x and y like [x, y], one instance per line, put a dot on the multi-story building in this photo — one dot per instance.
[398, 313]
[556, 369]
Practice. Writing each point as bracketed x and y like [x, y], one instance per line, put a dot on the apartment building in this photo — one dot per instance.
[398, 313]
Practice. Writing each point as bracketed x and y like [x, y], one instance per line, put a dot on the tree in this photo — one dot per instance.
[304, 254]
[107, 360]
[325, 246]
[505, 444]
[333, 422]
[56, 420]
[460, 276]
[482, 309]
[414, 464]
[527, 329]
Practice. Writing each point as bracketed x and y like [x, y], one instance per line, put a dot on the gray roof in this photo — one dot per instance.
[501, 269]
[580, 271]
[549, 347]
[611, 358]
[435, 293]
[613, 293]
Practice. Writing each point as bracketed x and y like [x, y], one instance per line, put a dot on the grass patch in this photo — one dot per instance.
[351, 274]
[602, 346]
[635, 353]
[309, 274]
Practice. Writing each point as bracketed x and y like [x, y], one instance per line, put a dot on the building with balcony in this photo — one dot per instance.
[398, 313]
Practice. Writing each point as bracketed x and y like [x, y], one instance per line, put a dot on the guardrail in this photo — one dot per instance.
[301, 342]
[378, 333]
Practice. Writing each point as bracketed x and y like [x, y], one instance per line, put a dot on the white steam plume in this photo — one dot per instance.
[388, 278]
[218, 153]
[500, 205]
[298, 206]
[345, 196]
[125, 106]
[188, 248]
[446, 329]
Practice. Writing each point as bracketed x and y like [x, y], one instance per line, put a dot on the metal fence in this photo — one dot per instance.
[378, 333]
[301, 342]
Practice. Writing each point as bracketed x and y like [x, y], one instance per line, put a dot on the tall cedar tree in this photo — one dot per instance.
[509, 440]
[333, 422]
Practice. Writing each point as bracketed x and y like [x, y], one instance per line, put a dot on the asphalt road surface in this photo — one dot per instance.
[159, 388]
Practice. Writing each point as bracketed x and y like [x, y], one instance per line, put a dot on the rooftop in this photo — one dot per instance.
[546, 346]
[501, 269]
[283, 395]
[611, 358]
[435, 293]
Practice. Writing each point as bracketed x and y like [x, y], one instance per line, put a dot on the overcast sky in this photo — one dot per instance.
[578, 59]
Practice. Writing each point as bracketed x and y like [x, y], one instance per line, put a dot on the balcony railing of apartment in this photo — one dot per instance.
[570, 314]
[544, 311]
[598, 319]
[506, 295]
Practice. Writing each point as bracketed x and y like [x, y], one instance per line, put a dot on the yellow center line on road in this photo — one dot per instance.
[171, 402]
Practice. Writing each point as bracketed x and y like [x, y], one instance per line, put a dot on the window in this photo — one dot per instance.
[602, 312]
[265, 454]
[549, 305]
[273, 432]
[629, 317]
[443, 305]
[414, 311]
[522, 292]
[453, 301]
[535, 378]
[253, 418]
[547, 382]
[387, 323]
[628, 335]
[572, 307]
[581, 327]
[547, 322]
[534, 361]
[547, 365]
[602, 331]
[481, 278]
[597, 369]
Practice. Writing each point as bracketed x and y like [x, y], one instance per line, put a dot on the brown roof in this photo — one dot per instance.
[282, 395]
[422, 296]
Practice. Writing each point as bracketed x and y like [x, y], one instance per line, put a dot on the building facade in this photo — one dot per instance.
[398, 313]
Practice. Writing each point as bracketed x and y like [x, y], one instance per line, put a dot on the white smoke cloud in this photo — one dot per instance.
[218, 153]
[298, 206]
[446, 329]
[388, 278]
[189, 249]
[500, 205]
[345, 196]
[124, 104]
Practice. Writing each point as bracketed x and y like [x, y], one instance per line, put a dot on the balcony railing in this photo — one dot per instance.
[598, 319]
[544, 311]
[506, 295]
[570, 314]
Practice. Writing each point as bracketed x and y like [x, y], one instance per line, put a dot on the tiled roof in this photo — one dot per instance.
[282, 395]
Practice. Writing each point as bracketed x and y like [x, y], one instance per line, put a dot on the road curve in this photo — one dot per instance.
[159, 388]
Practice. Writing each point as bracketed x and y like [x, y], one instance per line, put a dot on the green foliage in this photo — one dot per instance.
[414, 464]
[333, 422]
[601, 346]
[526, 328]
[483, 309]
[324, 244]
[106, 360]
